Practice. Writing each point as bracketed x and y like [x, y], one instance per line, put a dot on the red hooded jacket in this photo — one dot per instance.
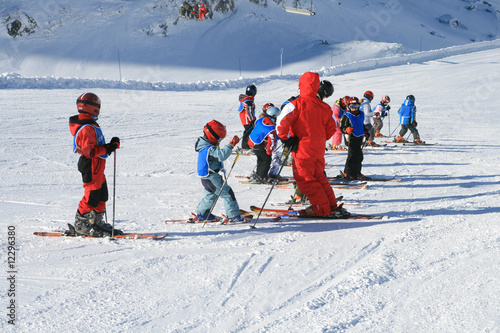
[308, 118]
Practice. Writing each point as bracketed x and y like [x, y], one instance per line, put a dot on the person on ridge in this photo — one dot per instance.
[194, 11]
[247, 113]
[408, 120]
[352, 126]
[89, 142]
[202, 11]
[304, 125]
[210, 164]
[262, 140]
[379, 112]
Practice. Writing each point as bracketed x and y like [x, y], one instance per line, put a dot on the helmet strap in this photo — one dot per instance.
[89, 103]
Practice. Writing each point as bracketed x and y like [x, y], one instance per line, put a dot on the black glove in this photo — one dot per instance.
[388, 107]
[414, 123]
[291, 143]
[113, 145]
[384, 114]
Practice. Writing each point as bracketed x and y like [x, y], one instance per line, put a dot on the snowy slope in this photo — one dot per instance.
[431, 267]
[113, 39]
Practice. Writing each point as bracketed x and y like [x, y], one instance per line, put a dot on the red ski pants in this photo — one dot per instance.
[311, 180]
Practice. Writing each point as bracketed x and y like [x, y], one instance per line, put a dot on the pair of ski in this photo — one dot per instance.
[340, 180]
[337, 183]
[291, 213]
[248, 216]
[72, 233]
[409, 143]
[340, 186]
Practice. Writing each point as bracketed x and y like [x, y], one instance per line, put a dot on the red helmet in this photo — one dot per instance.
[353, 101]
[344, 101]
[368, 95]
[385, 99]
[89, 103]
[267, 106]
[215, 131]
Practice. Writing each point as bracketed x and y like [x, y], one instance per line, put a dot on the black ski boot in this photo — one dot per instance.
[101, 223]
[85, 225]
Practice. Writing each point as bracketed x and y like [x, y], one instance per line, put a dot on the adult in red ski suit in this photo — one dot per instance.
[310, 120]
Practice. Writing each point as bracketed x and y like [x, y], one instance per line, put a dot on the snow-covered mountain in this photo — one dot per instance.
[147, 40]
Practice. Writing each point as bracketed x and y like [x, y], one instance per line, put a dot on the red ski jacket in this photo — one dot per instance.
[308, 118]
[91, 165]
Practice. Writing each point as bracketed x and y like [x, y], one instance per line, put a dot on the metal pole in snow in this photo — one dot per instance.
[119, 65]
[281, 61]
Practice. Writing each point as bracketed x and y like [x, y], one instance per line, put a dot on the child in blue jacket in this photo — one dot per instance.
[408, 120]
[351, 125]
[210, 158]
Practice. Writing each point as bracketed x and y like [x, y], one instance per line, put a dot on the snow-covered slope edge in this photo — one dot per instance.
[16, 81]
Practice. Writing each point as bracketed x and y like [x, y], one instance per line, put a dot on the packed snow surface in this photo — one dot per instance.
[431, 266]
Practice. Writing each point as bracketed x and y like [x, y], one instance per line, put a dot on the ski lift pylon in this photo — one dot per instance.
[302, 11]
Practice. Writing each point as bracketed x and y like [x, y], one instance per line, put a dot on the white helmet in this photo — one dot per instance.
[272, 113]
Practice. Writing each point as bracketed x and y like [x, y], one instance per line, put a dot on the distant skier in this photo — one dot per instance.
[408, 120]
[210, 158]
[247, 113]
[194, 11]
[185, 10]
[202, 11]
[89, 142]
[379, 112]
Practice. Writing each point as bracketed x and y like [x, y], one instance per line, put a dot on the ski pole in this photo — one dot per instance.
[222, 187]
[114, 194]
[272, 187]
[294, 197]
[395, 130]
[389, 120]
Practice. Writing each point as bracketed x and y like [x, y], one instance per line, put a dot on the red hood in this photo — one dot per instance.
[309, 84]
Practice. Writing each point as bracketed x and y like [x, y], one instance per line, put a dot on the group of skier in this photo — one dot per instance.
[303, 124]
[349, 118]
[193, 11]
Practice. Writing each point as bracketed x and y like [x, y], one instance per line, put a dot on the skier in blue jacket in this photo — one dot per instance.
[351, 125]
[263, 141]
[407, 117]
[210, 158]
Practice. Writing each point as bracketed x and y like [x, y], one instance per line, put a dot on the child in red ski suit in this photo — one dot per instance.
[89, 142]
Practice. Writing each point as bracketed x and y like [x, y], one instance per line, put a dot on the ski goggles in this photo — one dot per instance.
[354, 107]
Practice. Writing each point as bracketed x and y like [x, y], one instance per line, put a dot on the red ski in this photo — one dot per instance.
[296, 214]
[66, 233]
